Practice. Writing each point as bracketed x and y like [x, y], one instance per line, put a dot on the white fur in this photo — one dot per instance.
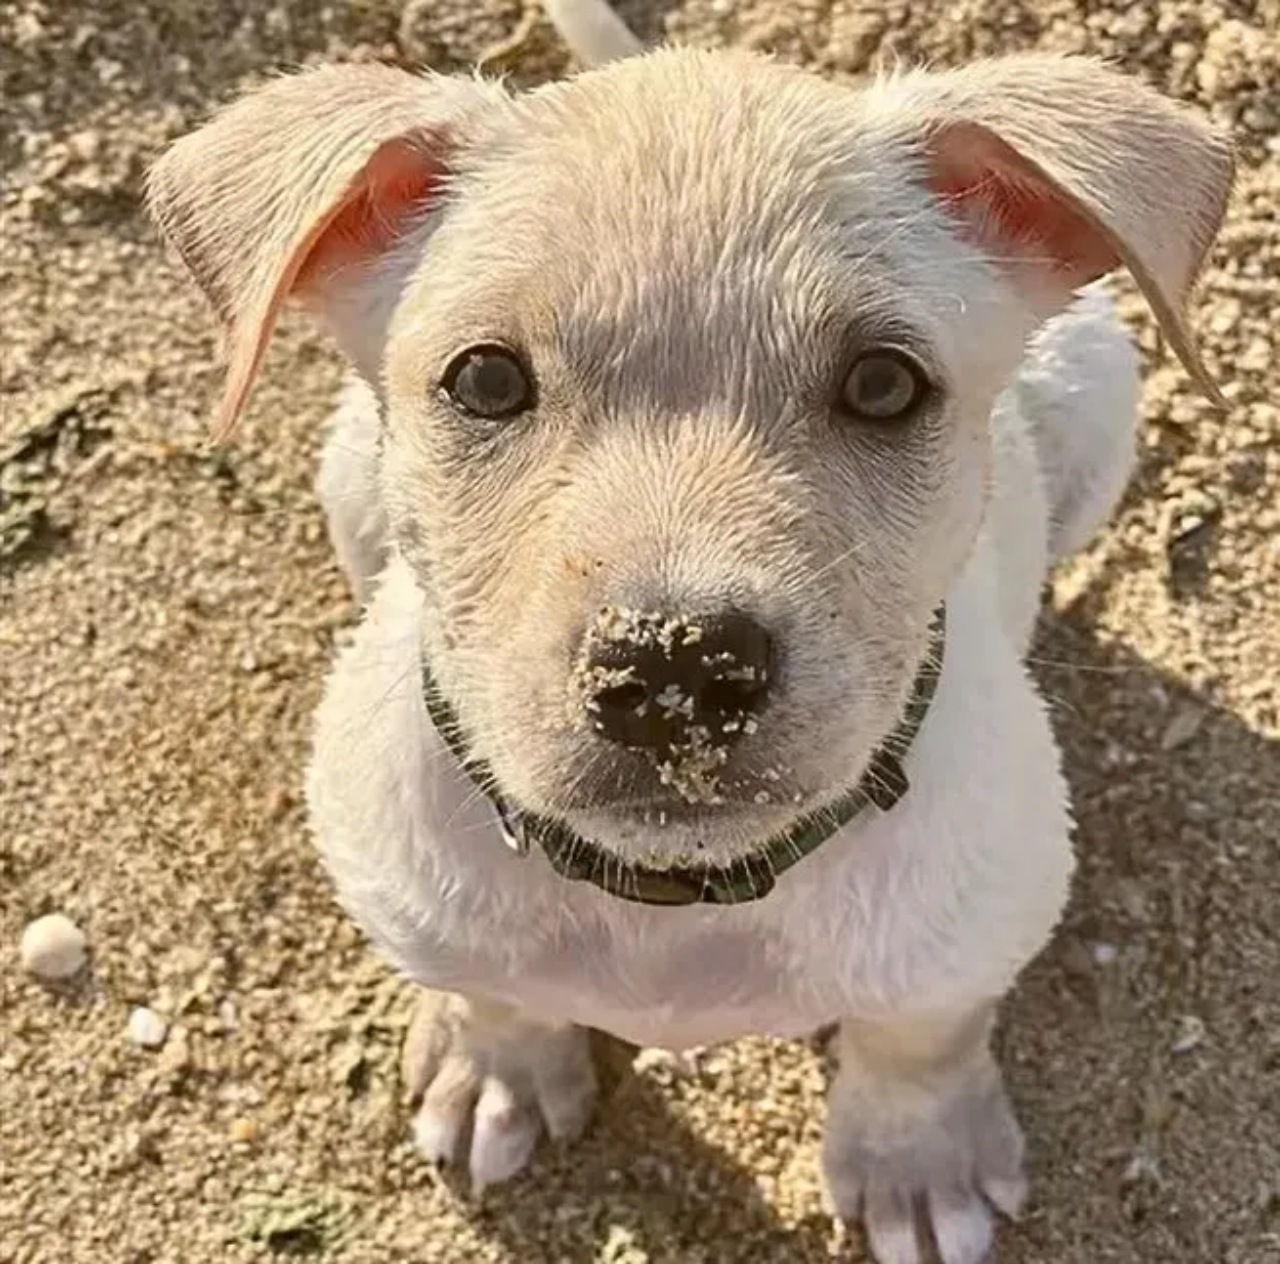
[937, 903]
[348, 487]
[683, 327]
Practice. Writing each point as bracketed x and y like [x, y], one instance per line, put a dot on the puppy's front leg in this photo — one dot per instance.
[493, 1078]
[920, 1136]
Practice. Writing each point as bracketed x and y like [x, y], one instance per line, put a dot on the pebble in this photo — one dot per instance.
[1182, 728]
[1191, 1034]
[1105, 954]
[683, 1064]
[53, 948]
[147, 1028]
[243, 1131]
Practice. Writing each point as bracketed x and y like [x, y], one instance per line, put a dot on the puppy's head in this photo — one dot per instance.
[686, 366]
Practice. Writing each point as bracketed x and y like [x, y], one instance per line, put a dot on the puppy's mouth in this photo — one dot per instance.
[798, 830]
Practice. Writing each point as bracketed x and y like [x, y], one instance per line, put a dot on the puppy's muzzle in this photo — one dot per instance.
[657, 682]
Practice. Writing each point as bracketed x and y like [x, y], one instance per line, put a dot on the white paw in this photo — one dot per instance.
[492, 1083]
[917, 1169]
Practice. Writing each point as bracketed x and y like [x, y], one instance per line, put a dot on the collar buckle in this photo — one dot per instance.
[512, 826]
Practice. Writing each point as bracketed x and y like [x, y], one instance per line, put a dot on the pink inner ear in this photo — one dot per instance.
[396, 181]
[1012, 209]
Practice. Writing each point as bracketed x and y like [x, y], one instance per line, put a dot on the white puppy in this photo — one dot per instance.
[714, 429]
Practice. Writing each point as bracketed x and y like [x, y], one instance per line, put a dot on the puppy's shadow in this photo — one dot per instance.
[1132, 1046]
[1135, 1045]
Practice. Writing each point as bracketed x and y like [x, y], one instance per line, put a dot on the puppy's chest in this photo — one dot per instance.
[685, 987]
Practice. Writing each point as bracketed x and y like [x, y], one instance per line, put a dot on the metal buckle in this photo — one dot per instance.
[512, 826]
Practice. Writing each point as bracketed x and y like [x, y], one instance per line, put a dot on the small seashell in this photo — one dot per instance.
[53, 948]
[146, 1028]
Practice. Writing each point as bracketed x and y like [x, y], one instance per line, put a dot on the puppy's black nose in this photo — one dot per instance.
[657, 682]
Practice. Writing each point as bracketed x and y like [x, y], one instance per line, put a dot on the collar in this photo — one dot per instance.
[881, 785]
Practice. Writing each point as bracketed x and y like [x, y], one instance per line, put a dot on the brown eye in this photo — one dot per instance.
[884, 385]
[488, 381]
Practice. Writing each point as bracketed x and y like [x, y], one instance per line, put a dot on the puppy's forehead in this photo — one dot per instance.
[679, 186]
[669, 135]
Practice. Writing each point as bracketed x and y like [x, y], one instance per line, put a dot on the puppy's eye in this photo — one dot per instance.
[489, 381]
[884, 385]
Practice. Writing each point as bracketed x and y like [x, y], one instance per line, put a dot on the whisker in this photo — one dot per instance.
[796, 586]
[1101, 669]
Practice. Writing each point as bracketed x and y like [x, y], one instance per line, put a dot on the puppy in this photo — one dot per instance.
[711, 432]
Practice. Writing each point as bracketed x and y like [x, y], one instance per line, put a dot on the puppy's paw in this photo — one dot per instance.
[917, 1165]
[490, 1082]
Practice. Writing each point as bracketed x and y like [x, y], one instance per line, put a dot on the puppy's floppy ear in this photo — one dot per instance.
[315, 172]
[1064, 170]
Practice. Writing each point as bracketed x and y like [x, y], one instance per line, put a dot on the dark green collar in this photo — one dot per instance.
[881, 785]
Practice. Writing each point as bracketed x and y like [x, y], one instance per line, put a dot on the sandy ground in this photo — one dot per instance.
[168, 614]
